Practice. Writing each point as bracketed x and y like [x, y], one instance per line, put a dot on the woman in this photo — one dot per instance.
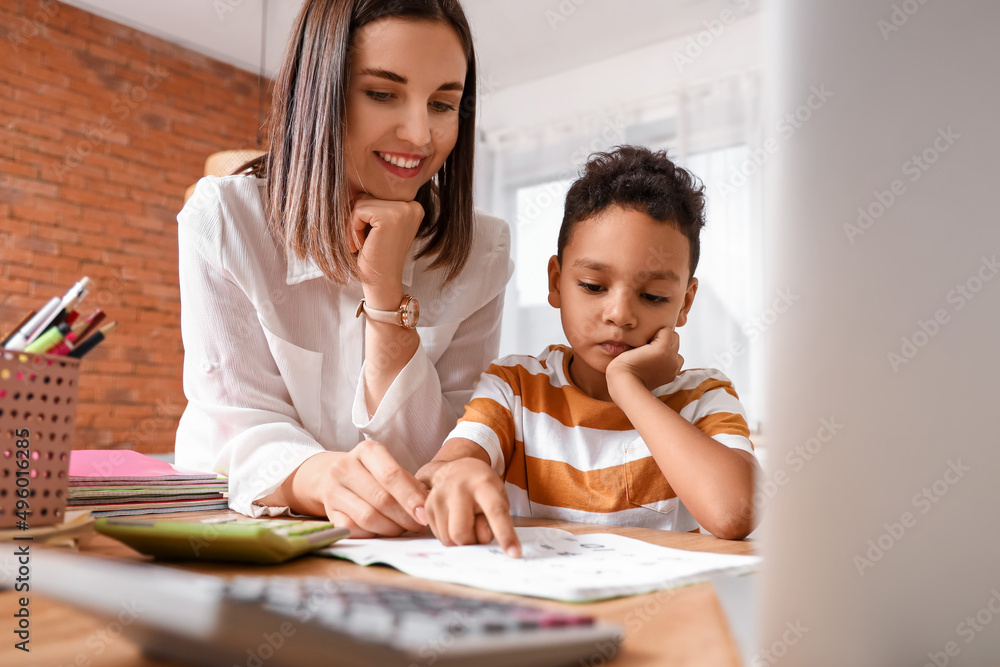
[307, 382]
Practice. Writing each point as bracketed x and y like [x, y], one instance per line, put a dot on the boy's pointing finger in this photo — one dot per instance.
[498, 516]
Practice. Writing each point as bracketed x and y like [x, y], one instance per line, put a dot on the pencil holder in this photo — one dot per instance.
[37, 412]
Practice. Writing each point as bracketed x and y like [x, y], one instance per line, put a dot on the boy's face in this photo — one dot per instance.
[624, 276]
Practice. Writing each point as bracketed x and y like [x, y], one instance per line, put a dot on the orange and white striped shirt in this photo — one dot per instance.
[565, 455]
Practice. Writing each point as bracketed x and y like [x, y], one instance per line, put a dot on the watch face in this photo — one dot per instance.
[411, 312]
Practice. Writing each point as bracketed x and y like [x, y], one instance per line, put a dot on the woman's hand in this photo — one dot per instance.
[655, 364]
[382, 233]
[364, 489]
[468, 504]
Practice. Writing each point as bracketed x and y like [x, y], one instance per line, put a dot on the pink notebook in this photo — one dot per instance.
[125, 465]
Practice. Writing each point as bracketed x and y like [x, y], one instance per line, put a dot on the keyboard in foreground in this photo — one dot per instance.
[211, 620]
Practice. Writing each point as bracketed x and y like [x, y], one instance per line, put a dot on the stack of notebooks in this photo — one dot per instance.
[120, 482]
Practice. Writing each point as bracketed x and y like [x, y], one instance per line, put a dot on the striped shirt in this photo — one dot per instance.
[565, 455]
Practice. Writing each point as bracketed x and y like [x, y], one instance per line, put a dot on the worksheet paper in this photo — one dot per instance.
[556, 564]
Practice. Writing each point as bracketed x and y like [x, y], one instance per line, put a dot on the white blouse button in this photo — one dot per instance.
[207, 366]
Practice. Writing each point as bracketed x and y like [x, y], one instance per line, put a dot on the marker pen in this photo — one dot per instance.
[92, 342]
[23, 335]
[52, 337]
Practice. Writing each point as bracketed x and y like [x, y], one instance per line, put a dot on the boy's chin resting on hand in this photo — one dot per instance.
[468, 504]
[653, 365]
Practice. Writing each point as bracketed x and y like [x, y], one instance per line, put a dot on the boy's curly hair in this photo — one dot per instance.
[637, 178]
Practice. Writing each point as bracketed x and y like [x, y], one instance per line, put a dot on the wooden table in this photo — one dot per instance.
[684, 626]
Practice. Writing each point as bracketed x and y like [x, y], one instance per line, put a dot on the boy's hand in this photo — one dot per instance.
[468, 504]
[655, 364]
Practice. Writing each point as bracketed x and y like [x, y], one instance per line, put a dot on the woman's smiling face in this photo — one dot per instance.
[403, 102]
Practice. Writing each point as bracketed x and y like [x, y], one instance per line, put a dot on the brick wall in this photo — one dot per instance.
[102, 128]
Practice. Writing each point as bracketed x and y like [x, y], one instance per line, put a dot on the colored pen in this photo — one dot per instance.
[17, 327]
[72, 297]
[92, 342]
[52, 337]
[23, 335]
[65, 345]
[95, 319]
[66, 306]
[79, 332]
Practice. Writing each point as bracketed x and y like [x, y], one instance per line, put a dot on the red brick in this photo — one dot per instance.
[45, 75]
[30, 186]
[108, 278]
[125, 231]
[30, 273]
[100, 241]
[15, 253]
[45, 210]
[38, 245]
[168, 266]
[56, 16]
[58, 170]
[17, 169]
[143, 249]
[169, 204]
[76, 179]
[64, 96]
[62, 265]
[92, 220]
[109, 163]
[91, 36]
[107, 54]
[12, 286]
[86, 198]
[12, 227]
[42, 130]
[117, 367]
[141, 275]
[149, 370]
[63, 42]
[128, 207]
[12, 78]
[64, 234]
[82, 252]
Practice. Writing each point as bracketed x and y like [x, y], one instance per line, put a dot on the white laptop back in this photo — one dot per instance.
[882, 495]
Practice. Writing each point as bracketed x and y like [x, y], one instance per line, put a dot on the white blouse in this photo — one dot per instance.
[274, 355]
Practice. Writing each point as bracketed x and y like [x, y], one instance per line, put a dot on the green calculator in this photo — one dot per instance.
[226, 539]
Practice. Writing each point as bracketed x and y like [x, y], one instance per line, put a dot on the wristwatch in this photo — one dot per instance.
[405, 316]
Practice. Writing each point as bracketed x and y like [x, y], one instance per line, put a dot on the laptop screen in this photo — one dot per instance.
[881, 493]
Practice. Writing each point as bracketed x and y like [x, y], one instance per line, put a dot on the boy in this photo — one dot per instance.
[610, 429]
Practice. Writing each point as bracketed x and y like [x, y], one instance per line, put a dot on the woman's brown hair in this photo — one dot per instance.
[308, 203]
